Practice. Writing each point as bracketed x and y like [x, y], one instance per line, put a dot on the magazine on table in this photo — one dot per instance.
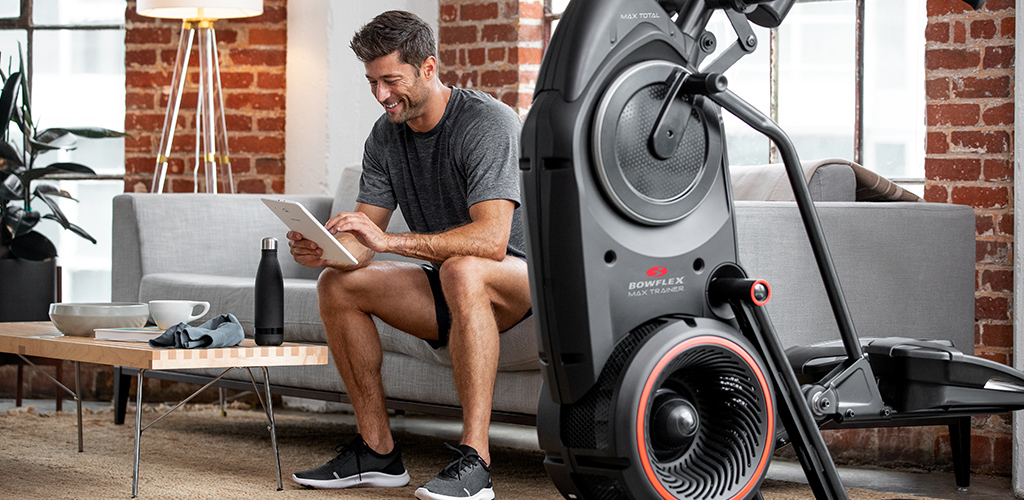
[143, 334]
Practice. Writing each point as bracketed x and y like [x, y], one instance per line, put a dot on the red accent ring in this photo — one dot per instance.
[753, 296]
[645, 460]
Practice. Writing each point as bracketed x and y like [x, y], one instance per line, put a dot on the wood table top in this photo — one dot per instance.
[42, 339]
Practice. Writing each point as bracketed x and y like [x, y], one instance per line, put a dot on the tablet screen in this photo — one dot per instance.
[298, 219]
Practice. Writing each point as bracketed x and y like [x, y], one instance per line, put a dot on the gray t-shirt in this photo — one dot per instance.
[471, 155]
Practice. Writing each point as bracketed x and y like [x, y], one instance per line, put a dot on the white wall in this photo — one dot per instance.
[329, 106]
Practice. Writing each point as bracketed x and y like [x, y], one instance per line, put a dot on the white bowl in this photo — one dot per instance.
[80, 319]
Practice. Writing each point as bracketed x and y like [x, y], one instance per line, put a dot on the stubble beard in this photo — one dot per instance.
[412, 105]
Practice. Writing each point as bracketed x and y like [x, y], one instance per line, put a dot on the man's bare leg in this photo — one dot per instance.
[400, 294]
[484, 297]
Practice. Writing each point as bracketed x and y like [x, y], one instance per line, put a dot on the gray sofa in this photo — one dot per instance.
[907, 269]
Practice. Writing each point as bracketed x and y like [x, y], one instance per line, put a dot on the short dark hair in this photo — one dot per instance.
[395, 30]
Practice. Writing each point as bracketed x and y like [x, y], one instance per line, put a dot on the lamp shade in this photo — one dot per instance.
[199, 9]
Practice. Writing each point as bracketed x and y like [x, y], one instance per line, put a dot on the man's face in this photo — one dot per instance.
[398, 87]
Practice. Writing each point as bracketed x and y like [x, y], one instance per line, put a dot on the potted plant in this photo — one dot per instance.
[26, 256]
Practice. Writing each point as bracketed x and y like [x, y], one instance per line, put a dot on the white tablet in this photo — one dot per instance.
[298, 219]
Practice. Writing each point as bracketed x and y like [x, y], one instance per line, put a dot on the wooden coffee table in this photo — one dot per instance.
[43, 340]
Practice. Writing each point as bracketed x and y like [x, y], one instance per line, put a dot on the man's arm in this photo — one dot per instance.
[486, 236]
[309, 254]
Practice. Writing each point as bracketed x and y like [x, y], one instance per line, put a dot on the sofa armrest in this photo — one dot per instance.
[906, 268]
[198, 234]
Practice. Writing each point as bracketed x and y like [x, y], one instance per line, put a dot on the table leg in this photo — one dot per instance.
[60, 376]
[18, 390]
[273, 429]
[138, 433]
[74, 394]
[138, 420]
[78, 400]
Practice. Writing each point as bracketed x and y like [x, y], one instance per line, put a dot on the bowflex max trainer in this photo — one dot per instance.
[663, 375]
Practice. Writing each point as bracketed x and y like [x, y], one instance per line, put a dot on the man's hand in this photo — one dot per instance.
[360, 226]
[305, 252]
[366, 219]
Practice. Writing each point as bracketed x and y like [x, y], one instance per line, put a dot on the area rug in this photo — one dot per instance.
[199, 454]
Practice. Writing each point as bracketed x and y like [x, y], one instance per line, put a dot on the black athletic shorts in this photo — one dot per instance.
[444, 316]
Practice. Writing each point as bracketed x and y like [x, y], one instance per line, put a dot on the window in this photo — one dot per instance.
[836, 92]
[74, 56]
[553, 10]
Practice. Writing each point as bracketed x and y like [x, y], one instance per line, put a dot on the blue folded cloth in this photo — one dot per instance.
[221, 331]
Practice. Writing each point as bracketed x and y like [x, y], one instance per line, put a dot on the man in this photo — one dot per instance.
[449, 158]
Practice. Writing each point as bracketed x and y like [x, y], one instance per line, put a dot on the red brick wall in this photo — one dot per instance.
[969, 161]
[252, 62]
[494, 46]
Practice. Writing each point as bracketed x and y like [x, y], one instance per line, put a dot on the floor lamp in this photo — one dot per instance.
[211, 133]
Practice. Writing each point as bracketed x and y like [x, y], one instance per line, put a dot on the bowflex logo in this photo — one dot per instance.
[656, 286]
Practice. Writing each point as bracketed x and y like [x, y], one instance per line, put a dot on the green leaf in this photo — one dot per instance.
[93, 132]
[20, 221]
[67, 166]
[55, 209]
[23, 118]
[33, 246]
[57, 167]
[36, 173]
[7, 101]
[10, 153]
[54, 138]
[11, 188]
[51, 190]
[25, 97]
[74, 229]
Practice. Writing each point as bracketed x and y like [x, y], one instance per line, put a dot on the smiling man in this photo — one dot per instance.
[449, 158]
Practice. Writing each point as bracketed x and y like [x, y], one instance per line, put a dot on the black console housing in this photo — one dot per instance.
[617, 237]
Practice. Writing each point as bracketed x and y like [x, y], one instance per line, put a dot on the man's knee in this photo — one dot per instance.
[335, 288]
[464, 274]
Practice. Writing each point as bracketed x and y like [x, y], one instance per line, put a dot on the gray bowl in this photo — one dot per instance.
[80, 319]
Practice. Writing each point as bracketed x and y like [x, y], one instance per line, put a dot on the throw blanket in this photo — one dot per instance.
[221, 331]
[874, 187]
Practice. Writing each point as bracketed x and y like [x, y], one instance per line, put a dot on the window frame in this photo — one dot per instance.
[24, 22]
[24, 25]
[551, 16]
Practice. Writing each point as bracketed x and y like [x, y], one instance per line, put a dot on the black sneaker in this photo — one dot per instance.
[357, 465]
[466, 478]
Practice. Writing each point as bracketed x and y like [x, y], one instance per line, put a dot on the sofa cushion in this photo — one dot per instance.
[227, 294]
[178, 238]
[827, 180]
[345, 200]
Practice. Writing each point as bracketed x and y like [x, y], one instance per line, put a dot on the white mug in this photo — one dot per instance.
[167, 313]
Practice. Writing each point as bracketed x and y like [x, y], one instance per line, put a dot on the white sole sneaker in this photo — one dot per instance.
[425, 494]
[364, 480]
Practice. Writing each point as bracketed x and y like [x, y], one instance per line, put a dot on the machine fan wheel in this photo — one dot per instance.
[702, 418]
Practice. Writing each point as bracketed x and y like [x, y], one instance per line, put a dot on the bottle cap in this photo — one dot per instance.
[269, 243]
